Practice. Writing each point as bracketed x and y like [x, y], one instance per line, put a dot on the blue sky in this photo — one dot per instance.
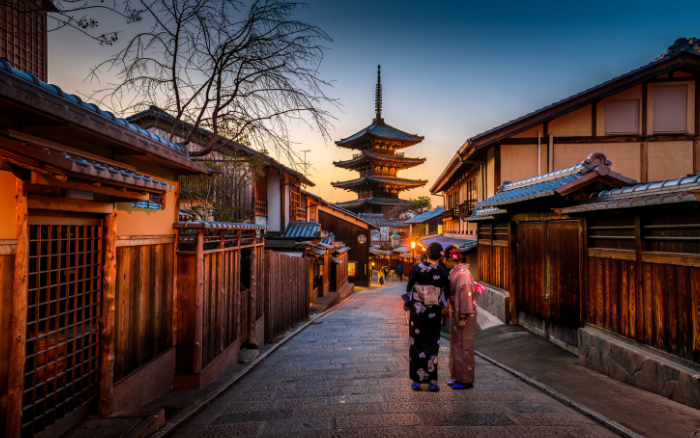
[450, 69]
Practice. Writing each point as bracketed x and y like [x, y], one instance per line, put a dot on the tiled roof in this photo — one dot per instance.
[378, 157]
[306, 230]
[375, 219]
[375, 202]
[75, 100]
[550, 183]
[425, 217]
[484, 214]
[327, 240]
[334, 206]
[217, 225]
[379, 180]
[642, 195]
[379, 129]
[445, 241]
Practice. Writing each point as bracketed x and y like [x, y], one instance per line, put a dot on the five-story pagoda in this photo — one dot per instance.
[378, 163]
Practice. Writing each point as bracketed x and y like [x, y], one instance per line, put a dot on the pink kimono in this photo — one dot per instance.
[462, 301]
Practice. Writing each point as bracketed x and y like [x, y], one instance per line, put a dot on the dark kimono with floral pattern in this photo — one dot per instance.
[425, 322]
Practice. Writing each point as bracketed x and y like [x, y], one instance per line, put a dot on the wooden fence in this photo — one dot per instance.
[286, 298]
[341, 272]
[214, 292]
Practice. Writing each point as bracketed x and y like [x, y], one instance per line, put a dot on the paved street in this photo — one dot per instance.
[347, 376]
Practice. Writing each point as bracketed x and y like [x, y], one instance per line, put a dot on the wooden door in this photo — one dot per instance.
[63, 310]
[563, 282]
[531, 299]
[548, 298]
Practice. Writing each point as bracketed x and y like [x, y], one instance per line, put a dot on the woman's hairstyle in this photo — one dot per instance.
[434, 251]
[452, 252]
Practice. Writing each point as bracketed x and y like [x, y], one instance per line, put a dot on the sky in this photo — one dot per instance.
[450, 69]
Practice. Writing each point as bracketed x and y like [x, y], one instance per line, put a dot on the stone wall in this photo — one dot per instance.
[638, 366]
[495, 301]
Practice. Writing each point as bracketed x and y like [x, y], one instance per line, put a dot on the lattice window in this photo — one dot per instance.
[351, 269]
[23, 36]
[62, 317]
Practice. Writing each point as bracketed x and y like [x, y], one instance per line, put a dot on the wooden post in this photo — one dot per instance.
[107, 316]
[198, 304]
[237, 285]
[644, 161]
[253, 291]
[18, 320]
[222, 291]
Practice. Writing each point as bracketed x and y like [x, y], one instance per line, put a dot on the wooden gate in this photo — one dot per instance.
[63, 310]
[549, 266]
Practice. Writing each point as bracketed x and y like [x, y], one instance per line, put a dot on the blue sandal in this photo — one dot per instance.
[415, 386]
[433, 388]
[457, 385]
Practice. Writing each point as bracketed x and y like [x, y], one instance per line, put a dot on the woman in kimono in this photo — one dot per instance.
[462, 320]
[428, 291]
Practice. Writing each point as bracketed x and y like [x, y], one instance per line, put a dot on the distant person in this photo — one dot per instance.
[385, 270]
[380, 277]
[399, 272]
[428, 291]
[463, 323]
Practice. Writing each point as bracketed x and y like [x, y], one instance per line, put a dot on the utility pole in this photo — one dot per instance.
[306, 163]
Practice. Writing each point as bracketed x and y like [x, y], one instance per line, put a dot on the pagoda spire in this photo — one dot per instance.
[378, 96]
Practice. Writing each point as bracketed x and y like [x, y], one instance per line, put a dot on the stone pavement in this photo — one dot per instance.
[346, 376]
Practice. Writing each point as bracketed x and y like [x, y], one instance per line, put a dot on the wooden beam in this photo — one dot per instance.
[198, 302]
[584, 139]
[645, 98]
[638, 248]
[612, 254]
[594, 119]
[253, 291]
[696, 157]
[43, 184]
[107, 316]
[644, 162]
[697, 105]
[18, 319]
[68, 204]
[496, 166]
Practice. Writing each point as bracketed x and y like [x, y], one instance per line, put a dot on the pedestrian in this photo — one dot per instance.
[399, 271]
[385, 269]
[428, 290]
[463, 323]
[380, 277]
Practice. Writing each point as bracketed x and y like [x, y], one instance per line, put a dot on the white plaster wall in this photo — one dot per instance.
[273, 201]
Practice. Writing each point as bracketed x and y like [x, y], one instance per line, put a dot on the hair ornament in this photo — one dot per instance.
[442, 254]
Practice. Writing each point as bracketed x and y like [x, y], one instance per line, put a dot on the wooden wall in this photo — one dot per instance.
[286, 292]
[347, 233]
[644, 280]
[341, 272]
[144, 305]
[7, 270]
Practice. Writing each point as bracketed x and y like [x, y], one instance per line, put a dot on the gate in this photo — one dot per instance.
[63, 310]
[549, 266]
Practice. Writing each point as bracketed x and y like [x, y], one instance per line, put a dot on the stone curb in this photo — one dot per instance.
[185, 416]
[590, 413]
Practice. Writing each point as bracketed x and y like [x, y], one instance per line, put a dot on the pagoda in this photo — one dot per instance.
[378, 163]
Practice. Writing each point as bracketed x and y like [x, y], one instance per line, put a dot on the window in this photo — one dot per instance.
[351, 269]
[669, 108]
[622, 117]
[362, 238]
[295, 212]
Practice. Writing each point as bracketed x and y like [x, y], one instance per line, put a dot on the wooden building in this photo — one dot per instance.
[347, 227]
[608, 275]
[426, 224]
[87, 206]
[270, 191]
[23, 35]
[648, 115]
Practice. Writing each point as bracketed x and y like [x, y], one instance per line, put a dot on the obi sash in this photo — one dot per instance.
[427, 294]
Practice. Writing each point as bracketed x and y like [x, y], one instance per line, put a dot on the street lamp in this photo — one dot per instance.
[413, 247]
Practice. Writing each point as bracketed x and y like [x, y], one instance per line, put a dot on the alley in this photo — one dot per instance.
[346, 376]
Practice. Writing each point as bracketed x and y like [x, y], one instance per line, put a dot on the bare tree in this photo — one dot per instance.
[81, 15]
[240, 72]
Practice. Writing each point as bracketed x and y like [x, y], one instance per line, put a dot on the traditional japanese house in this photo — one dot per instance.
[378, 163]
[530, 258]
[264, 188]
[347, 227]
[87, 259]
[648, 115]
[641, 290]
[426, 224]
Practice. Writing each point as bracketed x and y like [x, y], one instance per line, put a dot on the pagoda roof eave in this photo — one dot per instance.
[374, 202]
[379, 180]
[381, 131]
[407, 162]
